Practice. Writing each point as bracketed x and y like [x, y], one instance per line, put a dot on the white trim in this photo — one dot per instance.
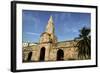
[37, 65]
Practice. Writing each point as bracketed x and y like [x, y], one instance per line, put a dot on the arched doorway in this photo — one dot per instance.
[29, 56]
[60, 55]
[42, 54]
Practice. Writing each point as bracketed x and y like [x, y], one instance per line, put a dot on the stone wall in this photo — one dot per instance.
[68, 47]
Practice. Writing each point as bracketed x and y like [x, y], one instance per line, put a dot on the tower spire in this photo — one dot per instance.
[50, 26]
[50, 19]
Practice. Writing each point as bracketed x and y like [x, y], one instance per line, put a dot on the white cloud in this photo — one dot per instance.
[32, 33]
[74, 30]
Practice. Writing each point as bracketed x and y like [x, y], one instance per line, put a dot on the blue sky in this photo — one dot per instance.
[67, 24]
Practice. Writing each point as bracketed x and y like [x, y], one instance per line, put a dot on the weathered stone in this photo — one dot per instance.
[51, 46]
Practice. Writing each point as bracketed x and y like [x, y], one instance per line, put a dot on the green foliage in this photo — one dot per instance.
[84, 44]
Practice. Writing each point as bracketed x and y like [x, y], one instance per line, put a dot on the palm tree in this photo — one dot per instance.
[84, 44]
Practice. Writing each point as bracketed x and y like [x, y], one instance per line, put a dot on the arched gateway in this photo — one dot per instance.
[42, 54]
[60, 55]
[29, 56]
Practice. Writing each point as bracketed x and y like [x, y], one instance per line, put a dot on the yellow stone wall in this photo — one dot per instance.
[68, 47]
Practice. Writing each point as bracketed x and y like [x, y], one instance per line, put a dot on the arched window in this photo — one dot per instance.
[60, 55]
[42, 54]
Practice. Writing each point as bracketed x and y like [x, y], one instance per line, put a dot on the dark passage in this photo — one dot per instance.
[29, 56]
[42, 54]
[60, 55]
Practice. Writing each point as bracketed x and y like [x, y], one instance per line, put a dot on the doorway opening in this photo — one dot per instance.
[29, 56]
[60, 55]
[42, 54]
